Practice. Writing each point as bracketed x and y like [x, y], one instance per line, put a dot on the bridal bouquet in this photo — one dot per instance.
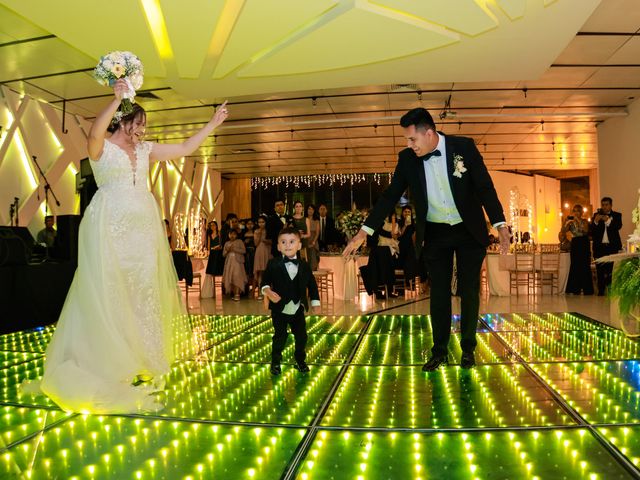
[116, 65]
[350, 222]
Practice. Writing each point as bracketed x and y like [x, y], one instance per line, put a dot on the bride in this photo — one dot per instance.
[123, 322]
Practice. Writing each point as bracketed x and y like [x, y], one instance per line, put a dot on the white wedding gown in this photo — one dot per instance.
[123, 316]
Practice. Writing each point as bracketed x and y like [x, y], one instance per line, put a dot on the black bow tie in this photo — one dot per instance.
[290, 260]
[435, 153]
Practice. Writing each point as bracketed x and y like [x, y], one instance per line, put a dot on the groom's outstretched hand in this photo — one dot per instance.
[505, 240]
[354, 243]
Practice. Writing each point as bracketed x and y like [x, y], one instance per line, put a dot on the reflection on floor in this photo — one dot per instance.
[554, 395]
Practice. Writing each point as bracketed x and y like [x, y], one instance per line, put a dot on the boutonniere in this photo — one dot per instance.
[458, 166]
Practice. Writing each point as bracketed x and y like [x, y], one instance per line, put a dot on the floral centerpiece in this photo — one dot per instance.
[116, 65]
[625, 284]
[350, 222]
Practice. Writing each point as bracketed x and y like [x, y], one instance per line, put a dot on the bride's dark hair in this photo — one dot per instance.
[137, 112]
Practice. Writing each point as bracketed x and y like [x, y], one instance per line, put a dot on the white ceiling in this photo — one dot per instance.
[528, 79]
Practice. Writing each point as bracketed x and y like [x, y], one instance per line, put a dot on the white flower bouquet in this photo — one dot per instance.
[350, 222]
[116, 65]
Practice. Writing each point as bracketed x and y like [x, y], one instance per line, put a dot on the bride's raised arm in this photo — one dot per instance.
[95, 140]
[167, 151]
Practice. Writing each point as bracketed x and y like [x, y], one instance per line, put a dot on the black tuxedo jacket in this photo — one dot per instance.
[471, 192]
[277, 277]
[274, 225]
[613, 232]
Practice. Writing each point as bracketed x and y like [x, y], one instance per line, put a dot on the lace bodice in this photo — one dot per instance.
[114, 168]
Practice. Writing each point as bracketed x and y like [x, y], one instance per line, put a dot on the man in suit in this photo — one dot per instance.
[450, 185]
[275, 223]
[286, 282]
[605, 232]
[328, 232]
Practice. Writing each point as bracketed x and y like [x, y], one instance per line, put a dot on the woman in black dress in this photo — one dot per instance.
[215, 265]
[580, 278]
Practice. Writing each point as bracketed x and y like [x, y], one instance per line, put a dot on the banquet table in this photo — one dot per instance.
[498, 267]
[345, 280]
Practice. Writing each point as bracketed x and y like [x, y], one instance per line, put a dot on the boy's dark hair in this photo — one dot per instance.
[419, 117]
[289, 231]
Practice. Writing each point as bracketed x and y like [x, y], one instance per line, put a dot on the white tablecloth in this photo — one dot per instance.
[498, 272]
[345, 280]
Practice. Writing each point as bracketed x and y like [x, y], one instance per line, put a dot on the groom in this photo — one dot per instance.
[449, 185]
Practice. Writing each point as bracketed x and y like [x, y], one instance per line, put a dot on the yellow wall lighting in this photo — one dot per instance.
[25, 159]
[157, 27]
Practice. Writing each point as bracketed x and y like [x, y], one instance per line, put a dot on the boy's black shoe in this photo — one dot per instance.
[275, 369]
[302, 367]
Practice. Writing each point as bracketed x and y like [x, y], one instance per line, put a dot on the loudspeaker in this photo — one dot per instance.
[65, 246]
[13, 249]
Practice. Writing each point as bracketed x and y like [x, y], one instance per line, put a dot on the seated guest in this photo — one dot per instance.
[47, 235]
[234, 277]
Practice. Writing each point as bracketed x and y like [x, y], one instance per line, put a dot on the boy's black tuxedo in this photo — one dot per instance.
[277, 277]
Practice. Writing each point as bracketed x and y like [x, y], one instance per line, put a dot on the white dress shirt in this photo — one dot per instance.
[441, 206]
[605, 236]
[291, 308]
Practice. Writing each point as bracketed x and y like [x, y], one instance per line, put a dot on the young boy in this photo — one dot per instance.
[285, 283]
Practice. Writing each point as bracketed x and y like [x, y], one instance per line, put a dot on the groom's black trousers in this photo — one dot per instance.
[442, 240]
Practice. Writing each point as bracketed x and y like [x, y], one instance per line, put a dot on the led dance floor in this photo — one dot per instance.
[554, 395]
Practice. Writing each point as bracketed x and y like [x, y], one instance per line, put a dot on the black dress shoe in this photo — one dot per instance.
[302, 367]
[275, 369]
[467, 360]
[394, 295]
[433, 364]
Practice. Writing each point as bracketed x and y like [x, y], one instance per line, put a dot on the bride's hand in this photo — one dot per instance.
[120, 88]
[220, 116]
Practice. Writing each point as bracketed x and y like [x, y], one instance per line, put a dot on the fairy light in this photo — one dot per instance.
[331, 179]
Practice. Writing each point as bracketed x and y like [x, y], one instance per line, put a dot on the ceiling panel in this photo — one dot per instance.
[484, 75]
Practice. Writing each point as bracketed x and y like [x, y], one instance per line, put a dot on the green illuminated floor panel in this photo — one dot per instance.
[541, 454]
[572, 345]
[603, 392]
[242, 392]
[7, 359]
[322, 324]
[415, 349]
[256, 348]
[20, 422]
[409, 324]
[32, 341]
[118, 448]
[405, 397]
[226, 323]
[539, 321]
[545, 384]
[626, 439]
[12, 377]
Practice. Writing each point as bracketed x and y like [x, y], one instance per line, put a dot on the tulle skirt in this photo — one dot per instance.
[123, 317]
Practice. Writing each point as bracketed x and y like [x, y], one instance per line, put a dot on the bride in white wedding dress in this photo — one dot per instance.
[123, 318]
